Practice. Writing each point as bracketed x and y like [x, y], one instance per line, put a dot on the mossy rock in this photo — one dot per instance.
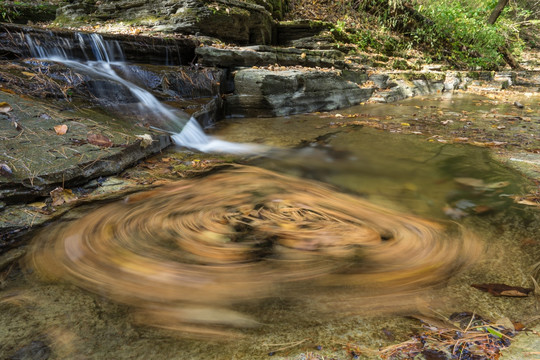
[235, 21]
[22, 13]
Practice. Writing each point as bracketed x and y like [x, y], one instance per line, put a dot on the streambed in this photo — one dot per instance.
[440, 181]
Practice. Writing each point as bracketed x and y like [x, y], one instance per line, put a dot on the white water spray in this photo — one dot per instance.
[109, 56]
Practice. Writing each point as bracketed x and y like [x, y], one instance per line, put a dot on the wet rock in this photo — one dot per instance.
[210, 112]
[136, 49]
[37, 350]
[41, 159]
[268, 55]
[267, 93]
[518, 105]
[405, 85]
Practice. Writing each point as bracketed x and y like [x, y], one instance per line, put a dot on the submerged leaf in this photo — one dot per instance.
[99, 140]
[472, 182]
[503, 290]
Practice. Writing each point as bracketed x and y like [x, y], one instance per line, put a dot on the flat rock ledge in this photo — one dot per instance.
[265, 93]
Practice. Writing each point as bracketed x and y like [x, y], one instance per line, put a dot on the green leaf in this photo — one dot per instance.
[494, 332]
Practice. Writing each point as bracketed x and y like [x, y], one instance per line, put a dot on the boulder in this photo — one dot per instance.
[229, 20]
[265, 93]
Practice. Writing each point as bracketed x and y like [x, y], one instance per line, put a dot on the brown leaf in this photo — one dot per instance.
[62, 196]
[5, 108]
[60, 129]
[503, 290]
[99, 140]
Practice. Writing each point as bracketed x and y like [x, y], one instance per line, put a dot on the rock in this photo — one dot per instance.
[380, 80]
[37, 350]
[505, 79]
[229, 20]
[305, 34]
[451, 81]
[265, 93]
[136, 49]
[405, 85]
[268, 55]
[184, 82]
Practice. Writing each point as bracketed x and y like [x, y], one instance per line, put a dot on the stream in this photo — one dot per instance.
[318, 242]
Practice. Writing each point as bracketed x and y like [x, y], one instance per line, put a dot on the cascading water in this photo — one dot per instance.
[107, 62]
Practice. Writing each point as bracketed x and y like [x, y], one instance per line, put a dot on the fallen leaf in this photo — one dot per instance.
[503, 290]
[99, 140]
[527, 202]
[62, 196]
[472, 182]
[446, 122]
[60, 129]
[497, 185]
[489, 144]
[405, 124]
[29, 74]
[5, 108]
[38, 205]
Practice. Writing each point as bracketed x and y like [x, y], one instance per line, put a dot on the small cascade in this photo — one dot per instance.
[106, 62]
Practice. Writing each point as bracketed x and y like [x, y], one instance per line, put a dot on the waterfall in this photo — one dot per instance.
[107, 62]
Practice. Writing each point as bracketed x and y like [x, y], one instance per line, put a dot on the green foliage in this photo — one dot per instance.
[22, 11]
[461, 34]
[452, 30]
[7, 12]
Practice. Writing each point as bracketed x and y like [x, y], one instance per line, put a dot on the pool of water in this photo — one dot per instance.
[446, 184]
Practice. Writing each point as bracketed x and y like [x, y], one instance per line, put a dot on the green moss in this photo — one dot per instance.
[21, 13]
[400, 64]
[427, 76]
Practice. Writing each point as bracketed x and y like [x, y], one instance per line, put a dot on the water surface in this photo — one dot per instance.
[415, 184]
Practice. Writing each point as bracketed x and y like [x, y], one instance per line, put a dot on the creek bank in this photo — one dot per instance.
[251, 81]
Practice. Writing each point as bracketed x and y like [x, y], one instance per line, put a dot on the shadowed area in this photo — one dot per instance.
[188, 255]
